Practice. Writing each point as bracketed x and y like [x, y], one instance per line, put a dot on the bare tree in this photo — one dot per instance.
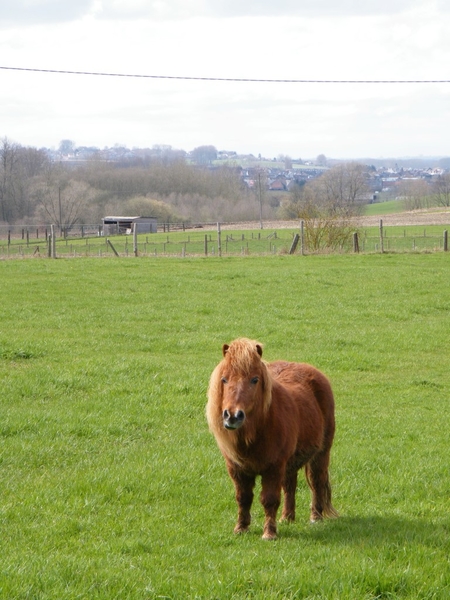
[33, 161]
[204, 155]
[343, 189]
[441, 190]
[415, 193]
[19, 165]
[8, 160]
[329, 204]
[324, 226]
[66, 147]
[61, 199]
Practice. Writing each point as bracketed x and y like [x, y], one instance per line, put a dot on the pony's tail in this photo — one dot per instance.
[328, 509]
[321, 490]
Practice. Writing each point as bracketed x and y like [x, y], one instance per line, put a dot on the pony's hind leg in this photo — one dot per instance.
[289, 488]
[318, 480]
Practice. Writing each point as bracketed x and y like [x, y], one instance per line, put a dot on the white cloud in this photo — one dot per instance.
[407, 42]
[20, 12]
[180, 9]
[51, 11]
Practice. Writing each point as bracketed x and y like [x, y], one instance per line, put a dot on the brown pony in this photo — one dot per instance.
[271, 419]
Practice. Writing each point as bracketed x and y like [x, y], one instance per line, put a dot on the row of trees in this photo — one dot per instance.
[34, 189]
[417, 193]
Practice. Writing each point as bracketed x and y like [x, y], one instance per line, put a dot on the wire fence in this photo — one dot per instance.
[207, 240]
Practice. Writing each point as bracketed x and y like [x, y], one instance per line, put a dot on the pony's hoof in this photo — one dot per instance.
[315, 516]
[238, 530]
[269, 536]
[287, 519]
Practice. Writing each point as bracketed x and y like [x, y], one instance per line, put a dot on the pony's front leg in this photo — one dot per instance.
[270, 499]
[244, 485]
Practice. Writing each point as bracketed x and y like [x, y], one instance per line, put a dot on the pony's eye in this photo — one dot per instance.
[254, 380]
[224, 380]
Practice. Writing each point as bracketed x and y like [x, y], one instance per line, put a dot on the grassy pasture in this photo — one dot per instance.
[388, 207]
[204, 242]
[111, 485]
[411, 238]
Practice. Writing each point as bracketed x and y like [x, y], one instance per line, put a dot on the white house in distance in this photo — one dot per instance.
[118, 225]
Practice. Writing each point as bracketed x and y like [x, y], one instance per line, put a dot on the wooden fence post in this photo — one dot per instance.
[53, 242]
[381, 237]
[112, 247]
[219, 240]
[355, 242]
[135, 245]
[206, 245]
[294, 243]
[445, 241]
[302, 237]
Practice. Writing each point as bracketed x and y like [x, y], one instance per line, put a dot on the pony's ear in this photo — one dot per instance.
[225, 349]
[259, 349]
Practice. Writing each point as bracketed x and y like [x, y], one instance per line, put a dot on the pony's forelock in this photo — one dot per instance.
[239, 357]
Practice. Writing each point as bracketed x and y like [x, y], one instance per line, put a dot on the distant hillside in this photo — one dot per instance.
[384, 208]
[421, 162]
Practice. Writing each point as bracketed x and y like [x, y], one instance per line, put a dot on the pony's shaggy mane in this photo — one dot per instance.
[241, 357]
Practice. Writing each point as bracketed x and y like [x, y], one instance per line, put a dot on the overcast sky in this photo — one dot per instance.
[229, 39]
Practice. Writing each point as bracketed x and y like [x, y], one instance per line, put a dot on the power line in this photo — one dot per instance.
[229, 79]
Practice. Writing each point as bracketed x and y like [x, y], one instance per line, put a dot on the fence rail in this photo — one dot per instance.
[209, 240]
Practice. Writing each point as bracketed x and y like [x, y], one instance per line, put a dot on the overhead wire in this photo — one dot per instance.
[228, 79]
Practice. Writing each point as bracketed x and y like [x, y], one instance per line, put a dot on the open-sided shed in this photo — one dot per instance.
[116, 225]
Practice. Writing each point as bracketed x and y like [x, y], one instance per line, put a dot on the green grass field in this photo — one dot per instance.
[205, 242]
[112, 486]
[384, 208]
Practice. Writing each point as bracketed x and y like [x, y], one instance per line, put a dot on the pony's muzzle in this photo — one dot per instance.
[233, 421]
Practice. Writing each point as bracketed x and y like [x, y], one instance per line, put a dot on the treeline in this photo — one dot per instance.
[34, 189]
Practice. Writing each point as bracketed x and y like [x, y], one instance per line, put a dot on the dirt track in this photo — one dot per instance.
[415, 217]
